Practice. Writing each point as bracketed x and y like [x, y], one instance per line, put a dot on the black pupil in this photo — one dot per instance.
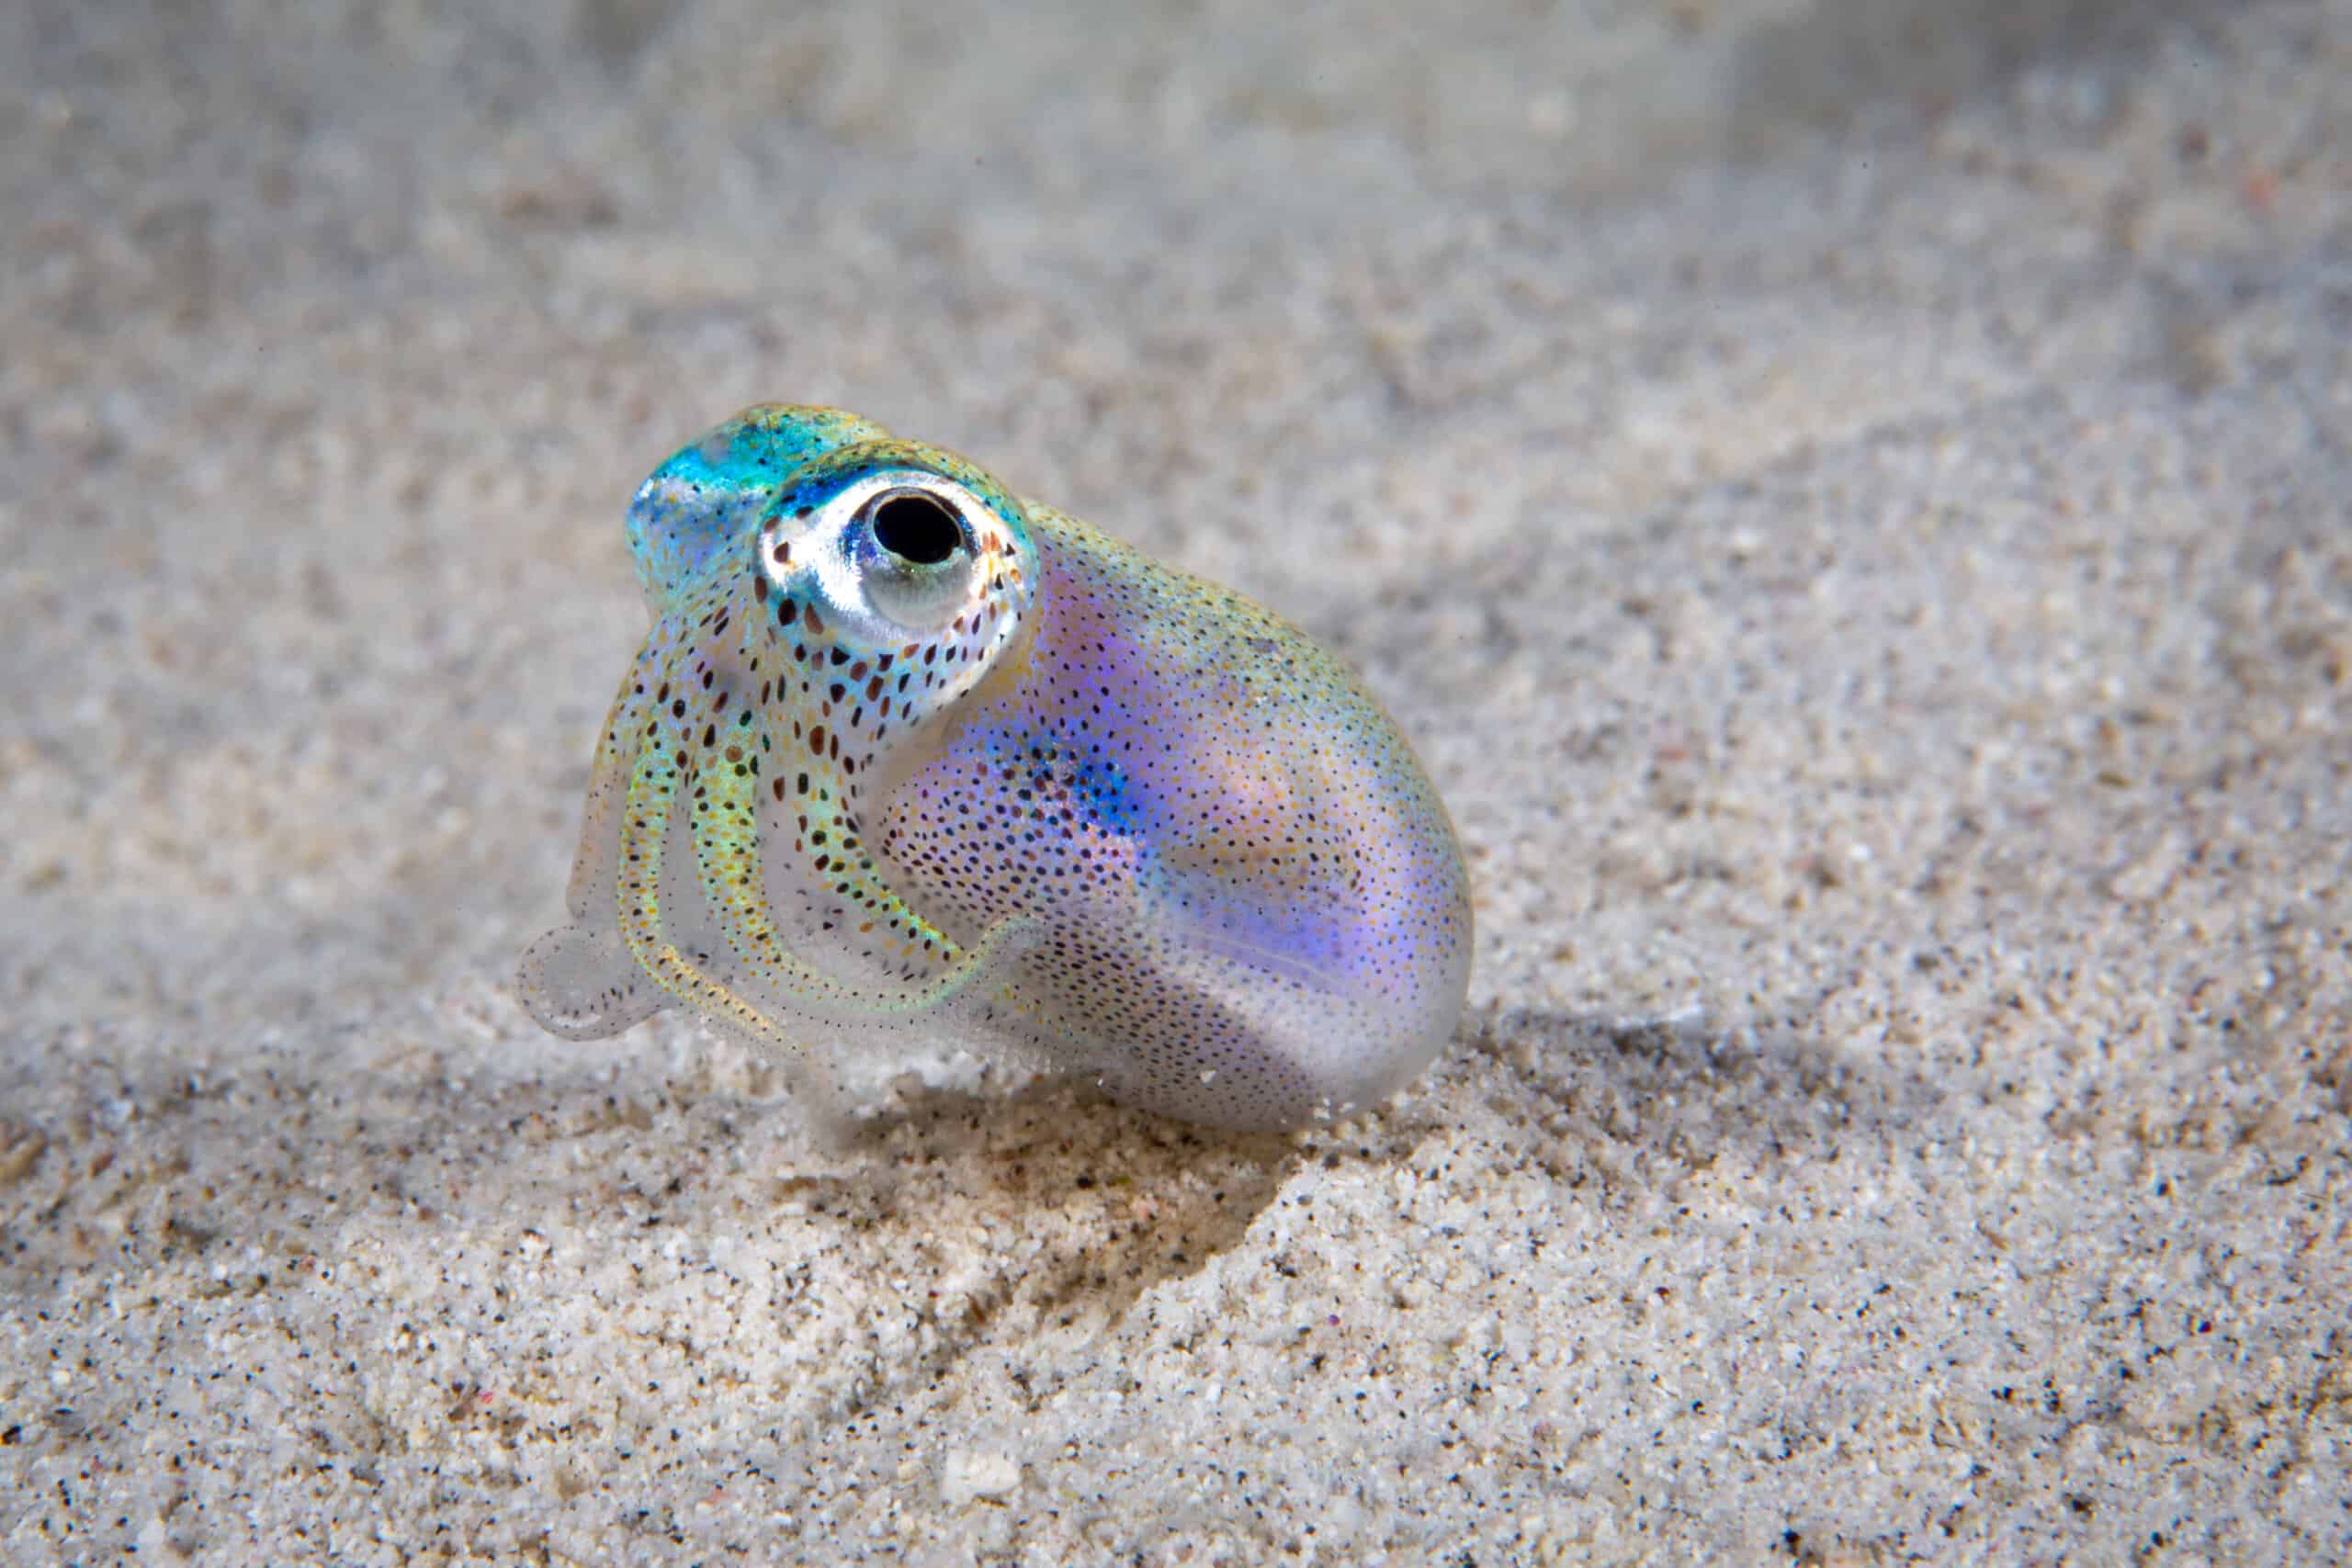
[917, 528]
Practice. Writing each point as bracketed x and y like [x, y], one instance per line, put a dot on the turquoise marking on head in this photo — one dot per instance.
[708, 495]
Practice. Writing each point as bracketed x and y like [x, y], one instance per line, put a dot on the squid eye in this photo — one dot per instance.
[918, 528]
[913, 553]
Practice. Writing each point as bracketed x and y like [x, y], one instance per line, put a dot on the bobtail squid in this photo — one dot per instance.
[908, 760]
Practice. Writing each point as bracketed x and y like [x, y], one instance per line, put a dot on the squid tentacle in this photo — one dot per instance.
[820, 801]
[578, 981]
[677, 771]
[589, 894]
[728, 851]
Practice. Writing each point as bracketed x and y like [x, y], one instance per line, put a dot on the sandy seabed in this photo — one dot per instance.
[1850, 500]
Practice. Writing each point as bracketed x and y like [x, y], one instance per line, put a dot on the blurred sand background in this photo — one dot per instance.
[1849, 498]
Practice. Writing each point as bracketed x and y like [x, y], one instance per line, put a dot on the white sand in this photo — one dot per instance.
[1851, 497]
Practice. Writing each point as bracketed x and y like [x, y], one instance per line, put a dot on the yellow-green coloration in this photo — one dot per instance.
[908, 760]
